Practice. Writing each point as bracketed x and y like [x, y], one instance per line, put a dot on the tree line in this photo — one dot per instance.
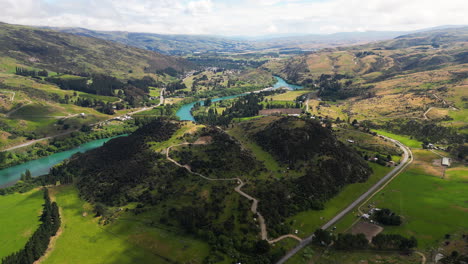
[39, 241]
[359, 241]
[33, 73]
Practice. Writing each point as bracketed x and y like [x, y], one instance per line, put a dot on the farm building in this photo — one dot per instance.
[445, 162]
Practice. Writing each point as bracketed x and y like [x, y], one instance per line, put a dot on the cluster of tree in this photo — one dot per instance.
[77, 83]
[134, 91]
[107, 174]
[248, 105]
[380, 159]
[222, 235]
[460, 151]
[455, 258]
[245, 106]
[362, 54]
[332, 88]
[387, 217]
[144, 83]
[225, 63]
[25, 184]
[33, 73]
[327, 165]
[39, 241]
[425, 131]
[174, 86]
[359, 241]
[223, 156]
[273, 105]
[351, 242]
[26, 176]
[75, 139]
[393, 241]
[169, 71]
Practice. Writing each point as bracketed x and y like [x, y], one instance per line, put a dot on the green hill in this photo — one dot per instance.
[57, 51]
[48, 78]
[167, 44]
[204, 204]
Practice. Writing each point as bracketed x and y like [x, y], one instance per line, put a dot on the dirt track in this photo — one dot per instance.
[238, 189]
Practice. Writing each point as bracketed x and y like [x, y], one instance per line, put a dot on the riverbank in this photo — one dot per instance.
[41, 166]
[59, 144]
[185, 112]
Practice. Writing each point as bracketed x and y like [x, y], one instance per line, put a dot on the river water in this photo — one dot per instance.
[184, 113]
[41, 166]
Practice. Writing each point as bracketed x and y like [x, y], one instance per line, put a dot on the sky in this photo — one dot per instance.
[237, 17]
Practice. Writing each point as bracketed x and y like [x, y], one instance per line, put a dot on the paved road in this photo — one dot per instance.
[407, 156]
[161, 101]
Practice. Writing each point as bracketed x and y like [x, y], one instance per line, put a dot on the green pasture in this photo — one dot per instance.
[130, 239]
[19, 219]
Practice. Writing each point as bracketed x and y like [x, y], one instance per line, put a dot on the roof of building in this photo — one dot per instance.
[446, 161]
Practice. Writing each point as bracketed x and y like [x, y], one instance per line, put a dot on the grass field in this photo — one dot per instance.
[316, 255]
[431, 206]
[187, 128]
[127, 240]
[259, 153]
[412, 143]
[19, 219]
[287, 96]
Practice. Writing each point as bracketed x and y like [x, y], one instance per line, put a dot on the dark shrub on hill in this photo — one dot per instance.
[329, 166]
[123, 168]
[223, 157]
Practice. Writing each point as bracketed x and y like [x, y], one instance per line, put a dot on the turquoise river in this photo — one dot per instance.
[184, 113]
[41, 166]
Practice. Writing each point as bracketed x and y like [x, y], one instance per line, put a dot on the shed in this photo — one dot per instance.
[445, 161]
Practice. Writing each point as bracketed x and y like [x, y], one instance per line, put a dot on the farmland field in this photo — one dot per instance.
[446, 198]
[19, 218]
[128, 240]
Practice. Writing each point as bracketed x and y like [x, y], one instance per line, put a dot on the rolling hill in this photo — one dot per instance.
[58, 51]
[167, 44]
[184, 176]
[190, 44]
[415, 52]
[49, 78]
[395, 79]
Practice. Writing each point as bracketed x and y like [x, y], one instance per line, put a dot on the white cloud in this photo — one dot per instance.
[199, 7]
[236, 17]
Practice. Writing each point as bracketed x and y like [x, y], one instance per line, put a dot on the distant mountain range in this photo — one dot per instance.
[193, 44]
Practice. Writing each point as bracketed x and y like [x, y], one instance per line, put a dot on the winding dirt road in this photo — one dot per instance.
[238, 189]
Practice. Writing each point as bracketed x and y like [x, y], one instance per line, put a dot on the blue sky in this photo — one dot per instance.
[237, 17]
